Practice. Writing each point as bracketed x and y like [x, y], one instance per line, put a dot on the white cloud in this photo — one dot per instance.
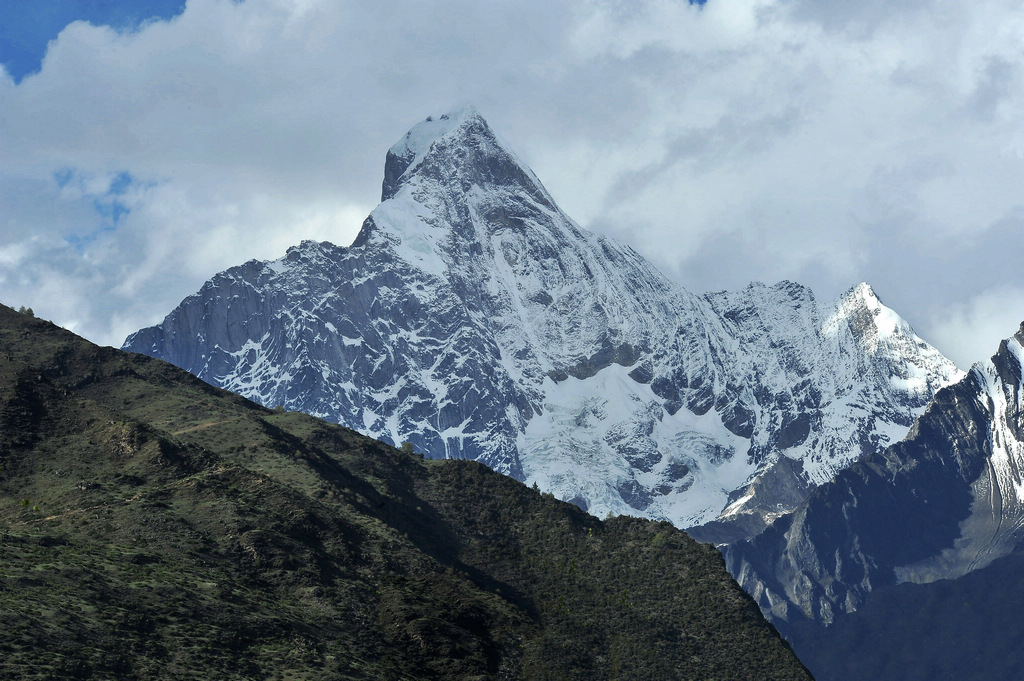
[974, 328]
[826, 142]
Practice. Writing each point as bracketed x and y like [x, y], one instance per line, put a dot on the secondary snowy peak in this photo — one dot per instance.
[879, 332]
[819, 390]
[473, 318]
[905, 364]
[945, 501]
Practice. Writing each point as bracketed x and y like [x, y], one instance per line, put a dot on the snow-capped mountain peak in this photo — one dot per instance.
[415, 144]
[406, 155]
[475, 319]
[457, 150]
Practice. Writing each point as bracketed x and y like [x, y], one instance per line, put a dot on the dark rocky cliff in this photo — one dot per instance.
[942, 503]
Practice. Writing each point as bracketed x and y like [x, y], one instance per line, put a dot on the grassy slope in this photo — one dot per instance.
[152, 526]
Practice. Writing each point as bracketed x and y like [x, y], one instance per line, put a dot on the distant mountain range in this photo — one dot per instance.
[155, 527]
[474, 319]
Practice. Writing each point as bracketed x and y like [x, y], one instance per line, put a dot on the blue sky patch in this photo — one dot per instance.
[119, 185]
[63, 177]
[108, 207]
[110, 210]
[80, 243]
[27, 26]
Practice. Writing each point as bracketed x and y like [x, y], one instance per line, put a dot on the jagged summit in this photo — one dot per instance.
[861, 304]
[459, 150]
[475, 319]
[863, 290]
[407, 153]
[452, 188]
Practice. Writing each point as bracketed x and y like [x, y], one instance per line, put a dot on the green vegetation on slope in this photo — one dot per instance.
[152, 526]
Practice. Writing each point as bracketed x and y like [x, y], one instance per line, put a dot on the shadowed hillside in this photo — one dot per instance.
[152, 526]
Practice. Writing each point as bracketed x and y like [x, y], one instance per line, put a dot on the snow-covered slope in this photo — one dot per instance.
[474, 319]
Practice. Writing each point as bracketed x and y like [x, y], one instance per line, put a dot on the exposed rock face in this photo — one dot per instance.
[474, 319]
[946, 501]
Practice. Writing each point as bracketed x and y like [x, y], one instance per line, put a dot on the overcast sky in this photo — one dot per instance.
[824, 141]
